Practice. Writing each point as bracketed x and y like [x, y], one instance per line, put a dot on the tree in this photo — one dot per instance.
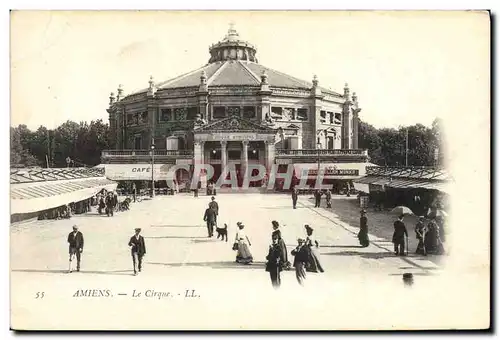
[18, 155]
[370, 140]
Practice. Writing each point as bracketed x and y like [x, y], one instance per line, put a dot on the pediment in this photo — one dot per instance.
[293, 126]
[234, 124]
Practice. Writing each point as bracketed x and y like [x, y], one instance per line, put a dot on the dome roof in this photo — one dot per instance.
[233, 63]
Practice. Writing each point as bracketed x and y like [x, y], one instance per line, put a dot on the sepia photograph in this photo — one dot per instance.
[249, 170]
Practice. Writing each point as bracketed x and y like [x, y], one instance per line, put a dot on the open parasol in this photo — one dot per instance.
[402, 210]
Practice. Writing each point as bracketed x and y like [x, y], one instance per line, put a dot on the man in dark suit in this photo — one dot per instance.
[317, 198]
[210, 217]
[75, 240]
[138, 249]
[295, 197]
[398, 238]
[215, 206]
[300, 260]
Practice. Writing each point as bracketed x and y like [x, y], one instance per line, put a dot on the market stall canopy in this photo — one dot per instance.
[407, 178]
[35, 190]
[332, 170]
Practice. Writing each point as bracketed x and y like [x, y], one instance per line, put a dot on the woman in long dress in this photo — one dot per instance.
[314, 263]
[420, 233]
[364, 241]
[284, 252]
[243, 255]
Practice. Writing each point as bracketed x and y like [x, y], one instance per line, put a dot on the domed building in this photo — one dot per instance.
[233, 110]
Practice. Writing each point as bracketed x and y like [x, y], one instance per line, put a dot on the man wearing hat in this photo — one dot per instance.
[75, 240]
[398, 238]
[300, 260]
[213, 205]
[138, 249]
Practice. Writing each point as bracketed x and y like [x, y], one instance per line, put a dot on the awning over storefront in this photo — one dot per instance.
[349, 171]
[39, 196]
[139, 172]
[403, 183]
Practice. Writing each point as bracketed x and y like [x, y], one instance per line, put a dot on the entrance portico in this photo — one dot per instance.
[234, 141]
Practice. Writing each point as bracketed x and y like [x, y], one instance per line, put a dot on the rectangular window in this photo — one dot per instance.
[137, 143]
[234, 154]
[166, 115]
[330, 117]
[322, 118]
[301, 114]
[144, 117]
[192, 112]
[276, 112]
[130, 119]
[219, 112]
[289, 113]
[180, 113]
[249, 112]
[338, 118]
[160, 143]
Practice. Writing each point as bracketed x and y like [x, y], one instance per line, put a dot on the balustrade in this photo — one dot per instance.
[129, 153]
[315, 152]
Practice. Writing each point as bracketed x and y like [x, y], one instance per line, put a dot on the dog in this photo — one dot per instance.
[222, 232]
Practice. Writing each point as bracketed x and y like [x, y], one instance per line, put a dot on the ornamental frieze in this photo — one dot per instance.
[234, 91]
[290, 93]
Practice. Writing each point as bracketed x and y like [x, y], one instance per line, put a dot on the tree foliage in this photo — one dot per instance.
[388, 146]
[81, 142]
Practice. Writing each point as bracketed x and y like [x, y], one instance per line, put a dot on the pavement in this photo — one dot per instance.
[180, 257]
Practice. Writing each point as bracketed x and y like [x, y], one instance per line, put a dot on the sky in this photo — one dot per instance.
[406, 67]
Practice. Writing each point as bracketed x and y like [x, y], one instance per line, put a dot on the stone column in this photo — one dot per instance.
[244, 158]
[270, 150]
[223, 152]
[198, 152]
[202, 146]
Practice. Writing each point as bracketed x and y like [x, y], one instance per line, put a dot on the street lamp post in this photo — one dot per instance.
[318, 147]
[152, 171]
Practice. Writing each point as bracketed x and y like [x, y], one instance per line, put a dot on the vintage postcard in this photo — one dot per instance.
[250, 170]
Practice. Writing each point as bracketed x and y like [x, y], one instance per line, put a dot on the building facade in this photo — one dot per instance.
[234, 111]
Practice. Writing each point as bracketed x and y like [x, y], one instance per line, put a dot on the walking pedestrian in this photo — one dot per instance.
[137, 250]
[364, 241]
[328, 197]
[295, 197]
[134, 191]
[300, 260]
[110, 202]
[242, 245]
[274, 263]
[215, 206]
[420, 233]
[314, 263]
[317, 198]
[398, 237]
[284, 252]
[210, 218]
[75, 240]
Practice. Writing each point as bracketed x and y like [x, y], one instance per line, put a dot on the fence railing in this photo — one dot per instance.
[131, 153]
[315, 152]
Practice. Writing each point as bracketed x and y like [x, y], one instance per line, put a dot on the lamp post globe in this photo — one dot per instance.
[152, 171]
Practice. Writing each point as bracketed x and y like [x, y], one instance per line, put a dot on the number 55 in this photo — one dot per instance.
[40, 295]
